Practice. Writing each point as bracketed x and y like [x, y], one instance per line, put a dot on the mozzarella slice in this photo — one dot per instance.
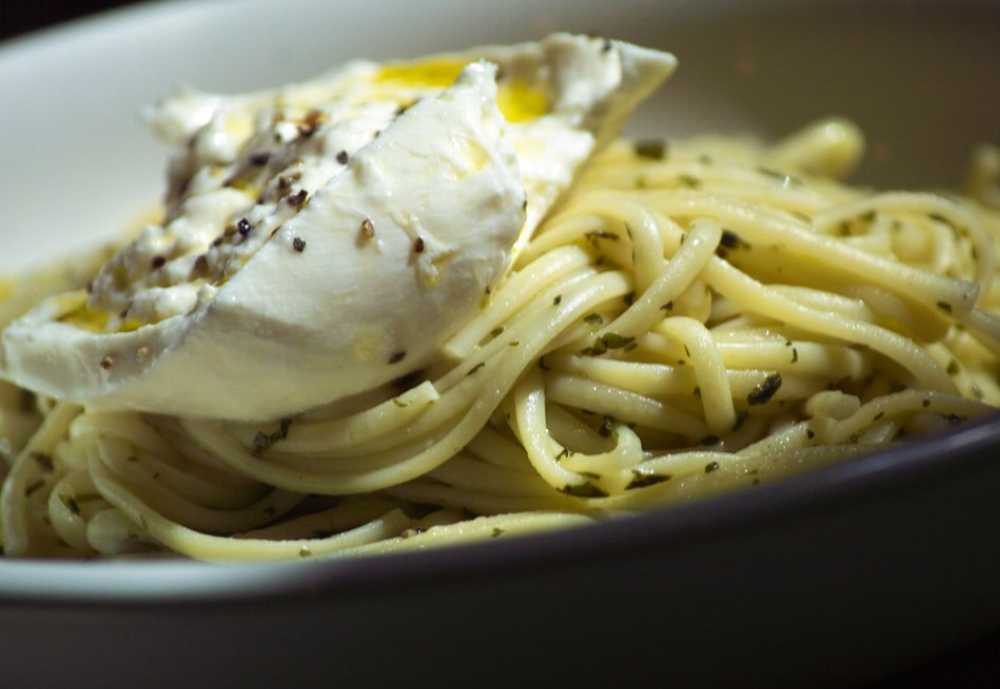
[327, 237]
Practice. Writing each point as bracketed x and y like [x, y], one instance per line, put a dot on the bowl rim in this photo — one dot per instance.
[132, 585]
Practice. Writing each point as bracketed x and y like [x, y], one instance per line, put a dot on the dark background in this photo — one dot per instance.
[21, 16]
[975, 666]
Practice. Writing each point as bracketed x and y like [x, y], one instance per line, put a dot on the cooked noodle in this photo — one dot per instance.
[687, 321]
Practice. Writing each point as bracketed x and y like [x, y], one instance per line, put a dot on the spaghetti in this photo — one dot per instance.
[690, 319]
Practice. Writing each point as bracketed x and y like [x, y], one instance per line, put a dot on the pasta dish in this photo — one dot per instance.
[420, 303]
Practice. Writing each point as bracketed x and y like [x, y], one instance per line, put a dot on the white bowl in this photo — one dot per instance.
[839, 576]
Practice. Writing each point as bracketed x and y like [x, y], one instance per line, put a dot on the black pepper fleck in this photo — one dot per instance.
[107, 362]
[367, 229]
[260, 158]
[244, 227]
[299, 244]
[298, 198]
[342, 157]
[419, 245]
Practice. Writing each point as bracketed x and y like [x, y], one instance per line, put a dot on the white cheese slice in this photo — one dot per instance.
[327, 237]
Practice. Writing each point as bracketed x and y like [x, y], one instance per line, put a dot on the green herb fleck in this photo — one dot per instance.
[607, 426]
[476, 368]
[944, 306]
[653, 149]
[43, 461]
[71, 504]
[642, 479]
[731, 240]
[741, 418]
[497, 532]
[593, 319]
[711, 466]
[600, 234]
[583, 490]
[764, 391]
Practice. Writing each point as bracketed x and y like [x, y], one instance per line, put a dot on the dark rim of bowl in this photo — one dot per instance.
[140, 584]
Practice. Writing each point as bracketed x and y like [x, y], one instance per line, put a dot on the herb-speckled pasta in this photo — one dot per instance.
[691, 319]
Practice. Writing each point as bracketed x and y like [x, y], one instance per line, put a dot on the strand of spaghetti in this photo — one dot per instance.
[914, 319]
[146, 449]
[28, 476]
[479, 529]
[355, 430]
[499, 450]
[534, 314]
[986, 327]
[759, 225]
[570, 431]
[952, 406]
[462, 471]
[426, 492]
[348, 514]
[680, 272]
[662, 380]
[203, 547]
[543, 451]
[71, 503]
[640, 226]
[709, 371]
[623, 405]
[758, 298]
[515, 293]
[176, 506]
[929, 204]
